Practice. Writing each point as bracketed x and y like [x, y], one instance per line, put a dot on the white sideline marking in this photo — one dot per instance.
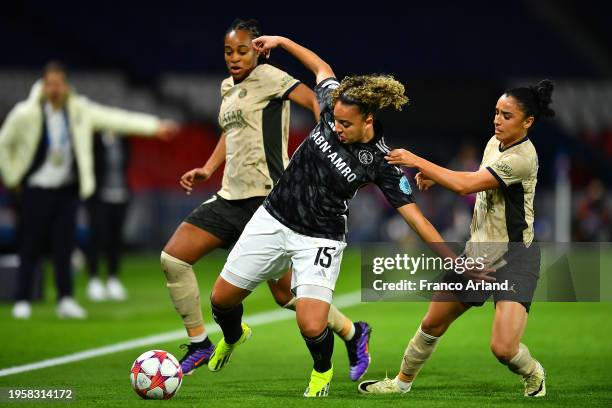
[347, 300]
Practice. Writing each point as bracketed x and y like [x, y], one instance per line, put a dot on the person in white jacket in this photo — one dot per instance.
[46, 156]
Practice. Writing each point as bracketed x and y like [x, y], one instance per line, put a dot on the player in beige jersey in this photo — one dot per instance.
[501, 234]
[254, 118]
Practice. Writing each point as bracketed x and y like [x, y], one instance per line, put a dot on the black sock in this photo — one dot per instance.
[351, 345]
[321, 348]
[202, 344]
[230, 322]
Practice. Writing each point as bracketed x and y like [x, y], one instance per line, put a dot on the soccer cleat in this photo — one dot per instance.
[386, 386]
[68, 308]
[22, 310]
[195, 357]
[535, 384]
[358, 351]
[319, 383]
[220, 357]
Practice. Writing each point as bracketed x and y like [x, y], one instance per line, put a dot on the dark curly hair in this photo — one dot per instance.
[370, 93]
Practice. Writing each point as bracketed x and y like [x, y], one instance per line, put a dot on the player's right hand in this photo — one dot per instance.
[192, 177]
[423, 182]
[265, 43]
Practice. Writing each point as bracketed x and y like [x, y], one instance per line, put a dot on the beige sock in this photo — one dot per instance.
[291, 304]
[339, 323]
[184, 291]
[522, 363]
[418, 351]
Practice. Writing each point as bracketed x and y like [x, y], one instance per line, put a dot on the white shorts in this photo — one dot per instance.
[266, 249]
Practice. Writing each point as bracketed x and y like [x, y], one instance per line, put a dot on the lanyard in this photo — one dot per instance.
[64, 137]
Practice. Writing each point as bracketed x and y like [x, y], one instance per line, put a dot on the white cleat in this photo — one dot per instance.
[116, 290]
[68, 308]
[386, 386]
[96, 292]
[535, 384]
[22, 310]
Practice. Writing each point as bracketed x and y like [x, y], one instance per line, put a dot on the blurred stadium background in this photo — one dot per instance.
[454, 58]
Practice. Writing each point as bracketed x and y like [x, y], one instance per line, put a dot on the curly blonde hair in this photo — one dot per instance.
[370, 93]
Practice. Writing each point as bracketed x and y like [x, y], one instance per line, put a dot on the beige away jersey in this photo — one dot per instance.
[254, 116]
[504, 214]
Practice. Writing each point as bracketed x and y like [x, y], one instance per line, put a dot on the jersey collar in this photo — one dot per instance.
[503, 149]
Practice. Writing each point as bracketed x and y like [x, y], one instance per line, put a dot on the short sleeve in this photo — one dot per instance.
[278, 83]
[394, 185]
[323, 92]
[510, 169]
[226, 85]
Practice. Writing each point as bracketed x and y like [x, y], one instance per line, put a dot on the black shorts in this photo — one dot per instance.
[223, 218]
[521, 271]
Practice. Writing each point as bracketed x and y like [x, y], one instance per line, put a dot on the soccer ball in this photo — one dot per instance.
[156, 374]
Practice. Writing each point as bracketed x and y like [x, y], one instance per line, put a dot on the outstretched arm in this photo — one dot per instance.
[312, 61]
[461, 182]
[428, 233]
[305, 97]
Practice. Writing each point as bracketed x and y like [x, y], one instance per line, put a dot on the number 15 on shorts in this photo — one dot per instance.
[324, 256]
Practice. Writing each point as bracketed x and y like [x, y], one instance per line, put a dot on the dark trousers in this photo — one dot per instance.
[47, 222]
[106, 222]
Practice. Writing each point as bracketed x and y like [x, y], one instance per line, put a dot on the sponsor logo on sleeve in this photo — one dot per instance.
[405, 185]
[503, 168]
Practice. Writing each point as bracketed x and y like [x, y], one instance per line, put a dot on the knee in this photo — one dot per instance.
[172, 265]
[222, 299]
[312, 328]
[433, 327]
[503, 351]
[217, 299]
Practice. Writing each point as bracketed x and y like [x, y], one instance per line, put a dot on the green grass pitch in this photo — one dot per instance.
[572, 340]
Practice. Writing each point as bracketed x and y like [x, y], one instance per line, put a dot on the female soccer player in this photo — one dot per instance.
[501, 232]
[303, 220]
[254, 117]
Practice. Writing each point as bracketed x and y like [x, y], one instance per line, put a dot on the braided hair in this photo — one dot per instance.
[250, 25]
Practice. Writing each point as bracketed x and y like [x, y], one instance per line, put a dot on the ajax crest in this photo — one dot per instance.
[365, 157]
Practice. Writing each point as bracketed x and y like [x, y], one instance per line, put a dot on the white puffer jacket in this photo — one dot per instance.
[22, 130]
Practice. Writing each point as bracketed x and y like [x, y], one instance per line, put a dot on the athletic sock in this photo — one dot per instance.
[230, 322]
[184, 291]
[420, 347]
[321, 349]
[522, 363]
[403, 385]
[339, 323]
[201, 341]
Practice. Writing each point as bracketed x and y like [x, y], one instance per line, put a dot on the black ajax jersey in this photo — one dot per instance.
[311, 195]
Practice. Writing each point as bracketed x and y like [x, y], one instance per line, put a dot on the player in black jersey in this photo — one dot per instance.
[254, 116]
[303, 220]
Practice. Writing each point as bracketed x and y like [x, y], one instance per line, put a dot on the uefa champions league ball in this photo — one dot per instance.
[156, 374]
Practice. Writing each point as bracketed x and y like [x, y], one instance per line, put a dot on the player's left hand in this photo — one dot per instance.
[423, 182]
[402, 157]
[480, 274]
[167, 130]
